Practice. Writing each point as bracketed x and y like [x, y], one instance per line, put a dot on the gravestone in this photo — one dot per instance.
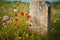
[39, 16]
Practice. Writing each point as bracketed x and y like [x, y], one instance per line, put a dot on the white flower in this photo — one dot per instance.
[54, 20]
[5, 18]
[15, 10]
[9, 21]
[19, 37]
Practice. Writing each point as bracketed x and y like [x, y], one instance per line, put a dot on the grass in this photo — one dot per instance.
[55, 21]
[23, 33]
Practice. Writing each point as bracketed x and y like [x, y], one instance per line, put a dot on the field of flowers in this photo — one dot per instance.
[14, 24]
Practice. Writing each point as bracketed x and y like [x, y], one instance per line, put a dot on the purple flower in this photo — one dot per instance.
[4, 24]
[5, 18]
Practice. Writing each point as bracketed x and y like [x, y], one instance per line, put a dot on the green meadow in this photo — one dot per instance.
[20, 31]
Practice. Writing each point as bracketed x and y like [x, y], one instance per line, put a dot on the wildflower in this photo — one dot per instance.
[4, 24]
[15, 10]
[21, 13]
[26, 35]
[5, 18]
[15, 14]
[19, 37]
[9, 21]
[12, 18]
[27, 16]
[54, 20]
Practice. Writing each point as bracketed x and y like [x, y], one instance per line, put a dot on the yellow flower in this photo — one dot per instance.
[27, 35]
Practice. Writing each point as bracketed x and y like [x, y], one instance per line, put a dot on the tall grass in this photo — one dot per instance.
[23, 33]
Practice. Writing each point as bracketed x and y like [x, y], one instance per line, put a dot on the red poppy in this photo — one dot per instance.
[21, 13]
[28, 16]
[15, 14]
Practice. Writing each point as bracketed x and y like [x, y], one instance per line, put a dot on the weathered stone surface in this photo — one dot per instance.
[39, 16]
